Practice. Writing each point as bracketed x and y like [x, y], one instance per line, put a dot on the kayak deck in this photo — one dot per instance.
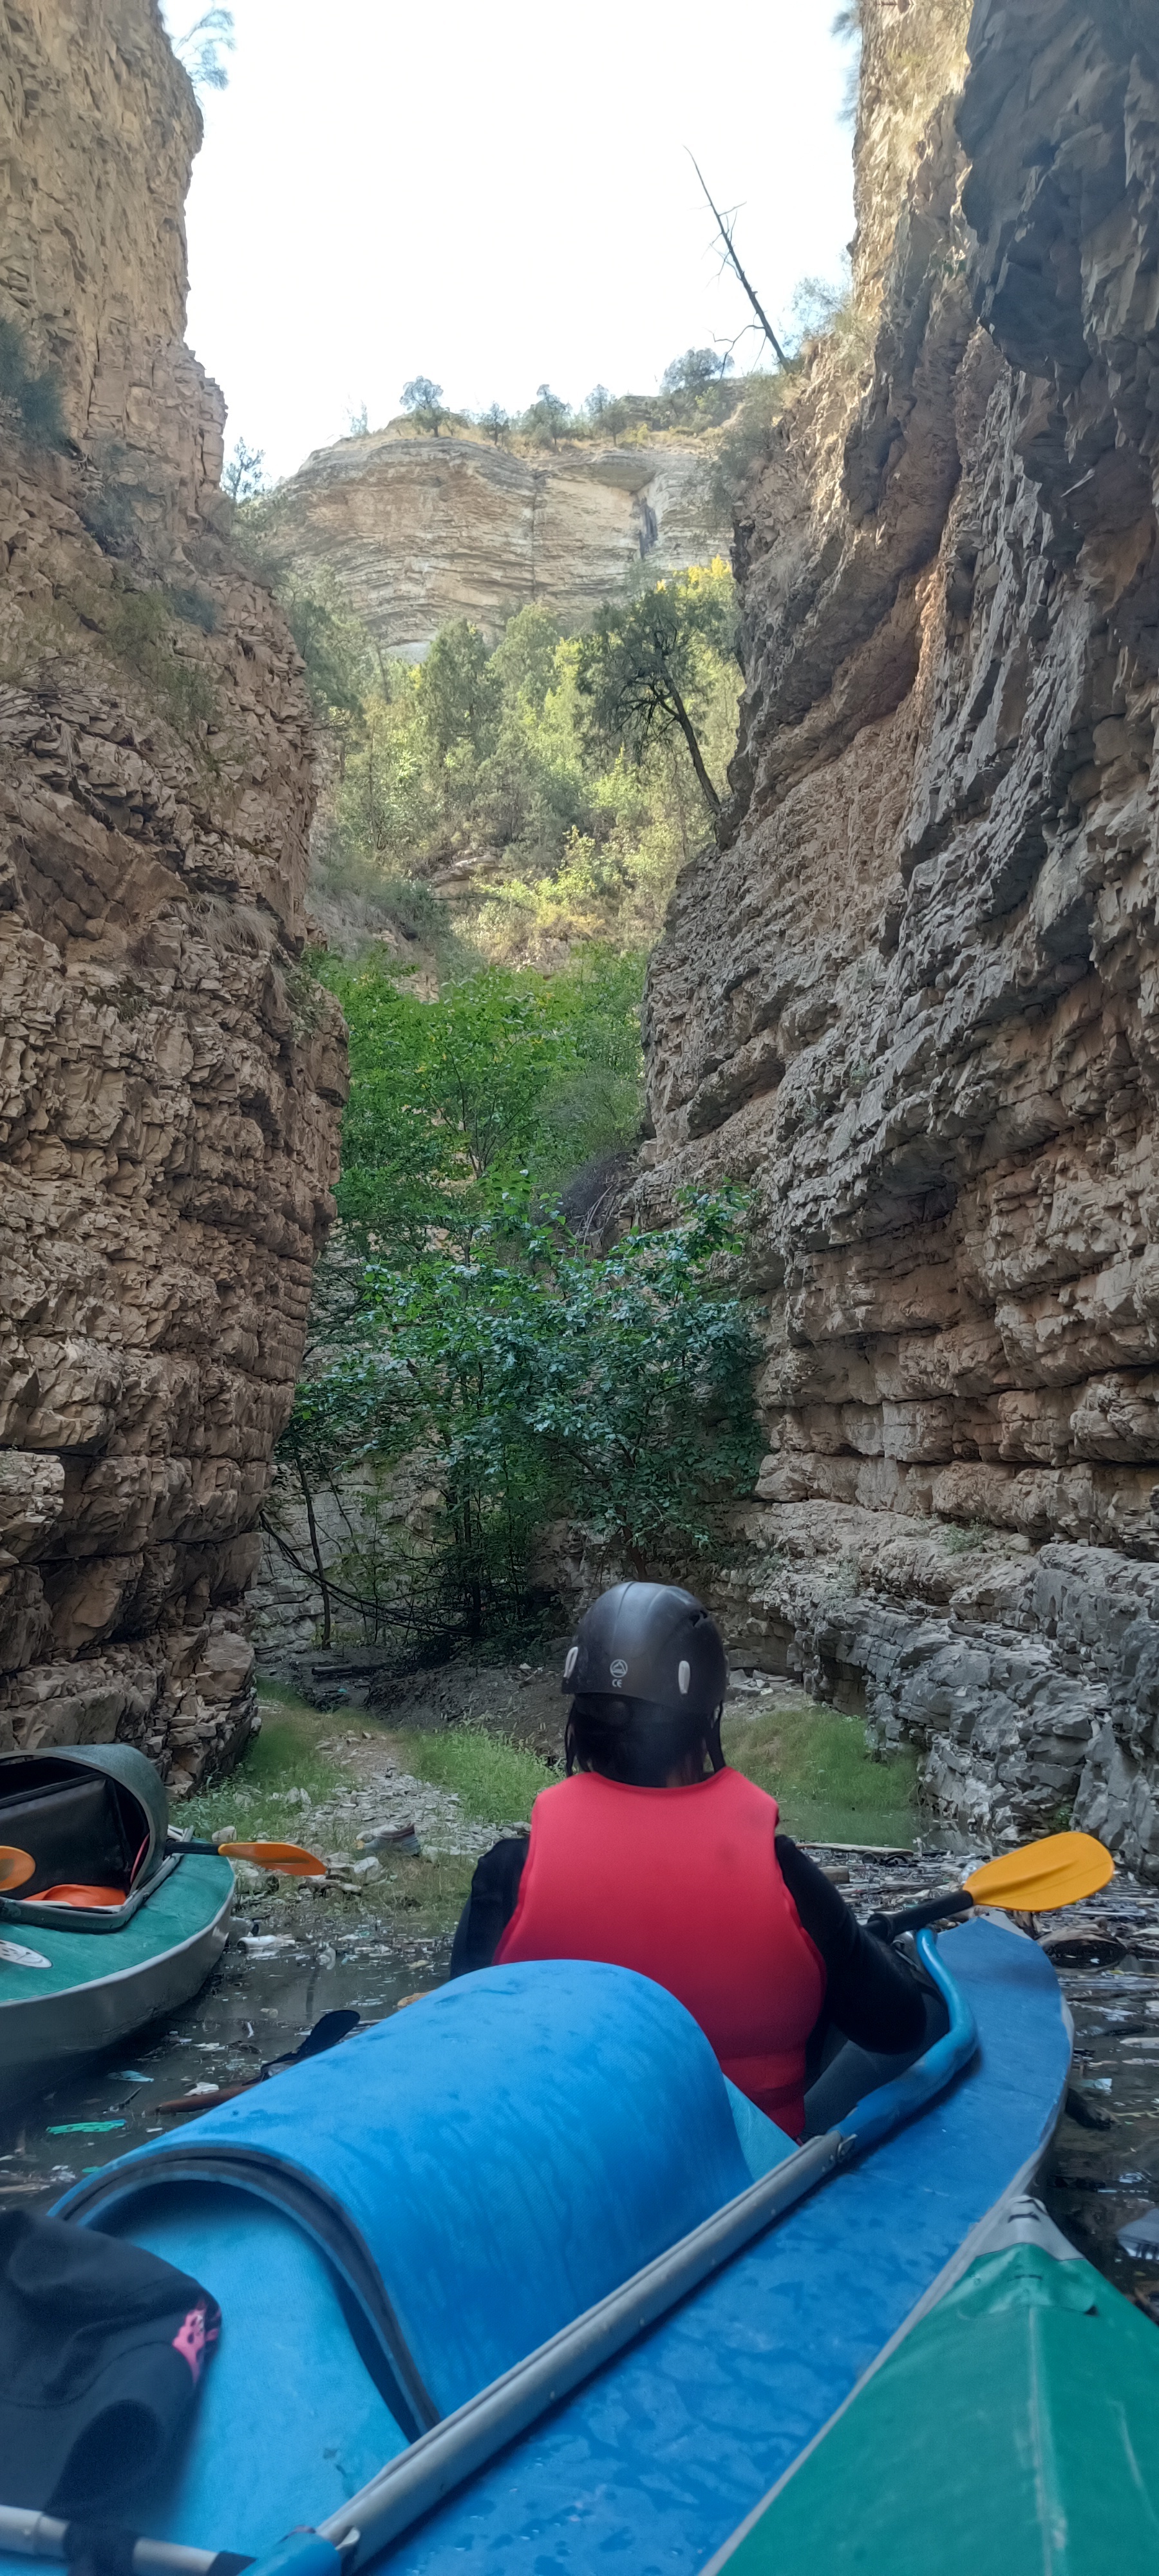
[657, 2461]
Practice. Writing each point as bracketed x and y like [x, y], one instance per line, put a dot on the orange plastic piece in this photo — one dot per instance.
[67, 1895]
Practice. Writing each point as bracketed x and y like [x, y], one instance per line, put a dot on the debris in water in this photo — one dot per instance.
[1140, 2237]
[82, 2128]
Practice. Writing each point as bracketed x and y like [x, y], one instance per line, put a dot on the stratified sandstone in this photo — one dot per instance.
[169, 1082]
[418, 531]
[914, 1000]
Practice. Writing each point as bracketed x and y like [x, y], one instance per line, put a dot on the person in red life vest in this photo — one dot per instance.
[654, 1855]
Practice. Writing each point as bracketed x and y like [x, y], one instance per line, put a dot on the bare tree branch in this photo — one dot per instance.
[724, 225]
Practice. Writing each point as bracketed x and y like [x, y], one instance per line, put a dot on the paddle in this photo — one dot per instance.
[287, 1857]
[1033, 1880]
[15, 1867]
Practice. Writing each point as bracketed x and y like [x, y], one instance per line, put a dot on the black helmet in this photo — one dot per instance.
[650, 1641]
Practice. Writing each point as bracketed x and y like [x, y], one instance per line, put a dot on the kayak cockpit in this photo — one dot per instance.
[92, 1819]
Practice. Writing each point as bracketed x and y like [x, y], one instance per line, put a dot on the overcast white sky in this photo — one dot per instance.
[495, 193]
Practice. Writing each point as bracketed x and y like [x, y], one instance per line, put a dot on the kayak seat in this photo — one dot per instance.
[480, 2169]
[77, 1825]
[246, 2475]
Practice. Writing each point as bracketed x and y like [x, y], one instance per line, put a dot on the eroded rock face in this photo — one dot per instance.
[418, 531]
[169, 1080]
[915, 998]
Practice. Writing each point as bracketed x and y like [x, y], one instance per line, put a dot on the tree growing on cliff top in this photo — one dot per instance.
[641, 665]
[200, 49]
[423, 398]
[245, 475]
[697, 368]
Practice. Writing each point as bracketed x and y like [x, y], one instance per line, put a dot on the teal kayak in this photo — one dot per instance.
[67, 1995]
[76, 1979]
[1015, 2427]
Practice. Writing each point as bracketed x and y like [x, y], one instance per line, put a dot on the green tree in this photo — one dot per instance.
[495, 421]
[641, 667]
[423, 398]
[529, 1381]
[201, 47]
[458, 693]
[334, 647]
[697, 368]
[546, 418]
[244, 475]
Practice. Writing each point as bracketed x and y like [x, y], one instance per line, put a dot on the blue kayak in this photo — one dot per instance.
[515, 2278]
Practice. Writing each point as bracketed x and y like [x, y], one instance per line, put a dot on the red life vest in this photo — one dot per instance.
[683, 1885]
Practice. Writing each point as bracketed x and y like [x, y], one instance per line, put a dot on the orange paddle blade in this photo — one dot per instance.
[289, 1857]
[1043, 1875]
[15, 1867]
[68, 1894]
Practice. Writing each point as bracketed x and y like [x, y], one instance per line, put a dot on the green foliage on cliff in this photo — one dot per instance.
[507, 758]
[648, 667]
[492, 1093]
[516, 1379]
[30, 395]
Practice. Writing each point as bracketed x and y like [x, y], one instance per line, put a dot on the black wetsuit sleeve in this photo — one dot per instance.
[870, 1993]
[489, 1907]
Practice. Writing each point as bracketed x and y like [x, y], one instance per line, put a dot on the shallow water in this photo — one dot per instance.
[259, 2004]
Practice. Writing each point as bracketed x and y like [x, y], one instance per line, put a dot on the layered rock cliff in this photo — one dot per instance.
[169, 1083]
[914, 998]
[420, 530]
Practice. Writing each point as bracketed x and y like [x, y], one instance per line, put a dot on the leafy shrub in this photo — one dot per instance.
[35, 396]
[195, 606]
[138, 627]
[524, 1380]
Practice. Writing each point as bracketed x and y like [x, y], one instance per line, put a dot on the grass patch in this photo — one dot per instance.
[818, 1766]
[139, 629]
[493, 1779]
[959, 1541]
[257, 1796]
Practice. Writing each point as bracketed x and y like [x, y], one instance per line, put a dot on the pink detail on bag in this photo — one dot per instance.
[192, 2340]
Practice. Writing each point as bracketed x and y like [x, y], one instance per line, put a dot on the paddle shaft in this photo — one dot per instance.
[914, 1918]
[202, 1849]
[30, 2534]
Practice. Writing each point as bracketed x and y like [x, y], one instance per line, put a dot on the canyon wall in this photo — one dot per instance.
[170, 1082]
[417, 531]
[913, 999]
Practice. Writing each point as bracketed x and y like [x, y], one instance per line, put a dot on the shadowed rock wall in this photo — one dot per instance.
[914, 999]
[169, 1082]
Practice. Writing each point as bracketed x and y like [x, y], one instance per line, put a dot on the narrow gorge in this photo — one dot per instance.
[908, 998]
[912, 1000]
[170, 1090]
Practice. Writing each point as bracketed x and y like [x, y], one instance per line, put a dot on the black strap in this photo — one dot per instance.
[100, 2546]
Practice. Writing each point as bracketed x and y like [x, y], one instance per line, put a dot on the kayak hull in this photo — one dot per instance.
[93, 1992]
[1017, 2421]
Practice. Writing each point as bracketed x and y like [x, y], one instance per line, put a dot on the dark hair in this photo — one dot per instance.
[636, 1741]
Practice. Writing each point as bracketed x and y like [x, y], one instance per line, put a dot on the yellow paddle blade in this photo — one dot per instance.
[15, 1867]
[289, 1857]
[1042, 1875]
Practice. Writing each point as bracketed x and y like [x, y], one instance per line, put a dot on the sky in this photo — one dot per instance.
[499, 196]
